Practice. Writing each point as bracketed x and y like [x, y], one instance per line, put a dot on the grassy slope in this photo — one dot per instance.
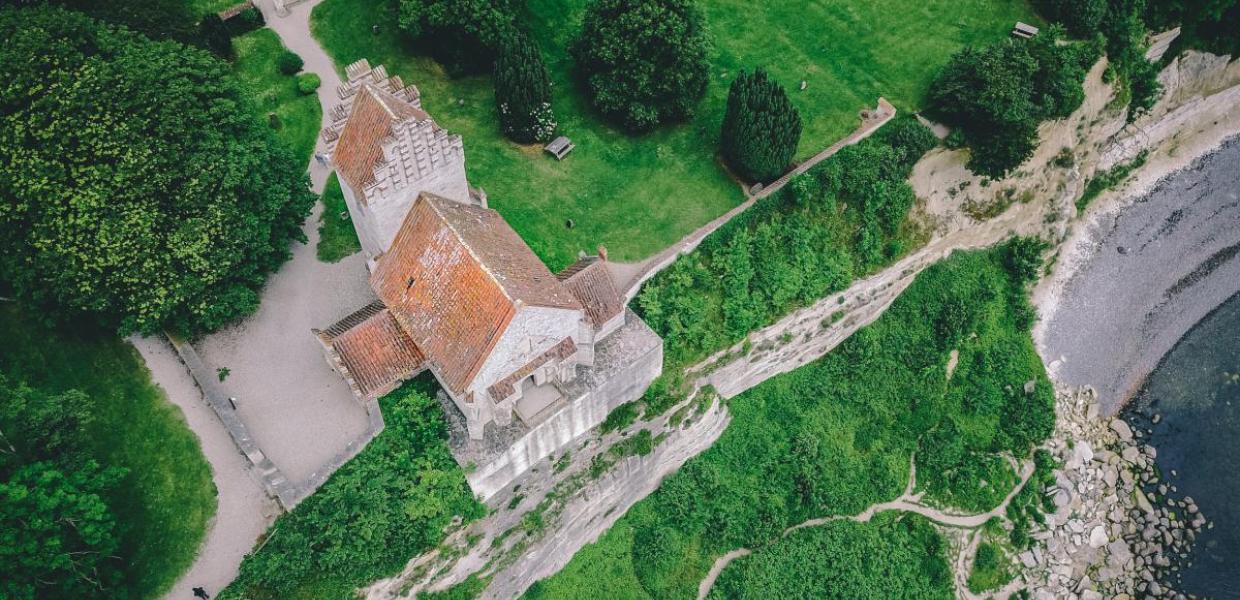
[168, 496]
[638, 194]
[337, 238]
[913, 563]
[276, 92]
[831, 438]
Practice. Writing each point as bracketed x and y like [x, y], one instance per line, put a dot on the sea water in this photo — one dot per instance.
[1196, 392]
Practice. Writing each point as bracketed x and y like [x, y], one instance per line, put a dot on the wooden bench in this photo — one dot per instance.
[560, 147]
[1024, 30]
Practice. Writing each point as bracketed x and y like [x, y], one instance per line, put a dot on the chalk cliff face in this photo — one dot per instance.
[1198, 110]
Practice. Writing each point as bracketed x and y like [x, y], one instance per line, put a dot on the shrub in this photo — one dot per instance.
[643, 62]
[1024, 258]
[1080, 17]
[990, 569]
[761, 128]
[248, 20]
[202, 203]
[289, 63]
[523, 91]
[307, 83]
[620, 417]
[908, 138]
[214, 36]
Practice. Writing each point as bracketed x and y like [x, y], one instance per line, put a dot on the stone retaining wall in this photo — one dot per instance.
[274, 482]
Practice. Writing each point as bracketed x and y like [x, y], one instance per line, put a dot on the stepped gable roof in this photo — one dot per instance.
[454, 278]
[589, 281]
[360, 147]
[372, 350]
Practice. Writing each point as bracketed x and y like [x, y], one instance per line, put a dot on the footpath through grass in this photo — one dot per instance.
[298, 115]
[163, 505]
[637, 195]
[836, 436]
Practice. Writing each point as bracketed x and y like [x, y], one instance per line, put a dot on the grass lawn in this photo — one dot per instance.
[337, 238]
[276, 92]
[168, 497]
[636, 195]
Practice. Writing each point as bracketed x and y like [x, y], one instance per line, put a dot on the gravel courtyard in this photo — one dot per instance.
[298, 409]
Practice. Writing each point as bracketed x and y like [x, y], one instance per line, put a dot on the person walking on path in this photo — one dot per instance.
[201, 594]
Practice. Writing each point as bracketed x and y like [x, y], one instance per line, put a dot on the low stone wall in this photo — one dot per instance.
[273, 480]
[870, 123]
[625, 364]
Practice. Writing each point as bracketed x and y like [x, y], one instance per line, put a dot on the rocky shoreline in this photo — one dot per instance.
[1115, 532]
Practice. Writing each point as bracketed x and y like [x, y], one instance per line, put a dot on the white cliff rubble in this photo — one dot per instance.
[1108, 537]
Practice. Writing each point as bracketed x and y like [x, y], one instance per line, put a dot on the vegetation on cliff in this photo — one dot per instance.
[394, 500]
[837, 435]
[842, 219]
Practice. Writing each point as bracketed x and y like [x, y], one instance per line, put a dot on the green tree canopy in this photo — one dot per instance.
[761, 128]
[1081, 17]
[138, 185]
[58, 537]
[998, 94]
[643, 62]
[156, 19]
[523, 91]
[463, 35]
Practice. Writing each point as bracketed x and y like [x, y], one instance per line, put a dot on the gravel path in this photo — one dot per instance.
[294, 32]
[1145, 274]
[243, 511]
[298, 409]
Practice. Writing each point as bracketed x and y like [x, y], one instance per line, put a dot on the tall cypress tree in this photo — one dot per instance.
[523, 91]
[761, 128]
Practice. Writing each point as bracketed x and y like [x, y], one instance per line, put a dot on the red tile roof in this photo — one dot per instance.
[360, 148]
[372, 351]
[589, 281]
[454, 278]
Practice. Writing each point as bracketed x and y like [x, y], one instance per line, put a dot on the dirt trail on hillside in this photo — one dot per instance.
[907, 502]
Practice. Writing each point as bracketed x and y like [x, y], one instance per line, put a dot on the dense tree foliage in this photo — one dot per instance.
[137, 186]
[58, 536]
[156, 19]
[1213, 25]
[643, 62]
[837, 435]
[761, 128]
[1080, 17]
[840, 220]
[392, 501]
[998, 94]
[890, 557]
[523, 91]
[463, 35]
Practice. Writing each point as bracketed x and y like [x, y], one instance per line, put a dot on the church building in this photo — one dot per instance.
[529, 360]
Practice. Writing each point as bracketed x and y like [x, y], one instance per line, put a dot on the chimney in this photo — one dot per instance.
[602, 252]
